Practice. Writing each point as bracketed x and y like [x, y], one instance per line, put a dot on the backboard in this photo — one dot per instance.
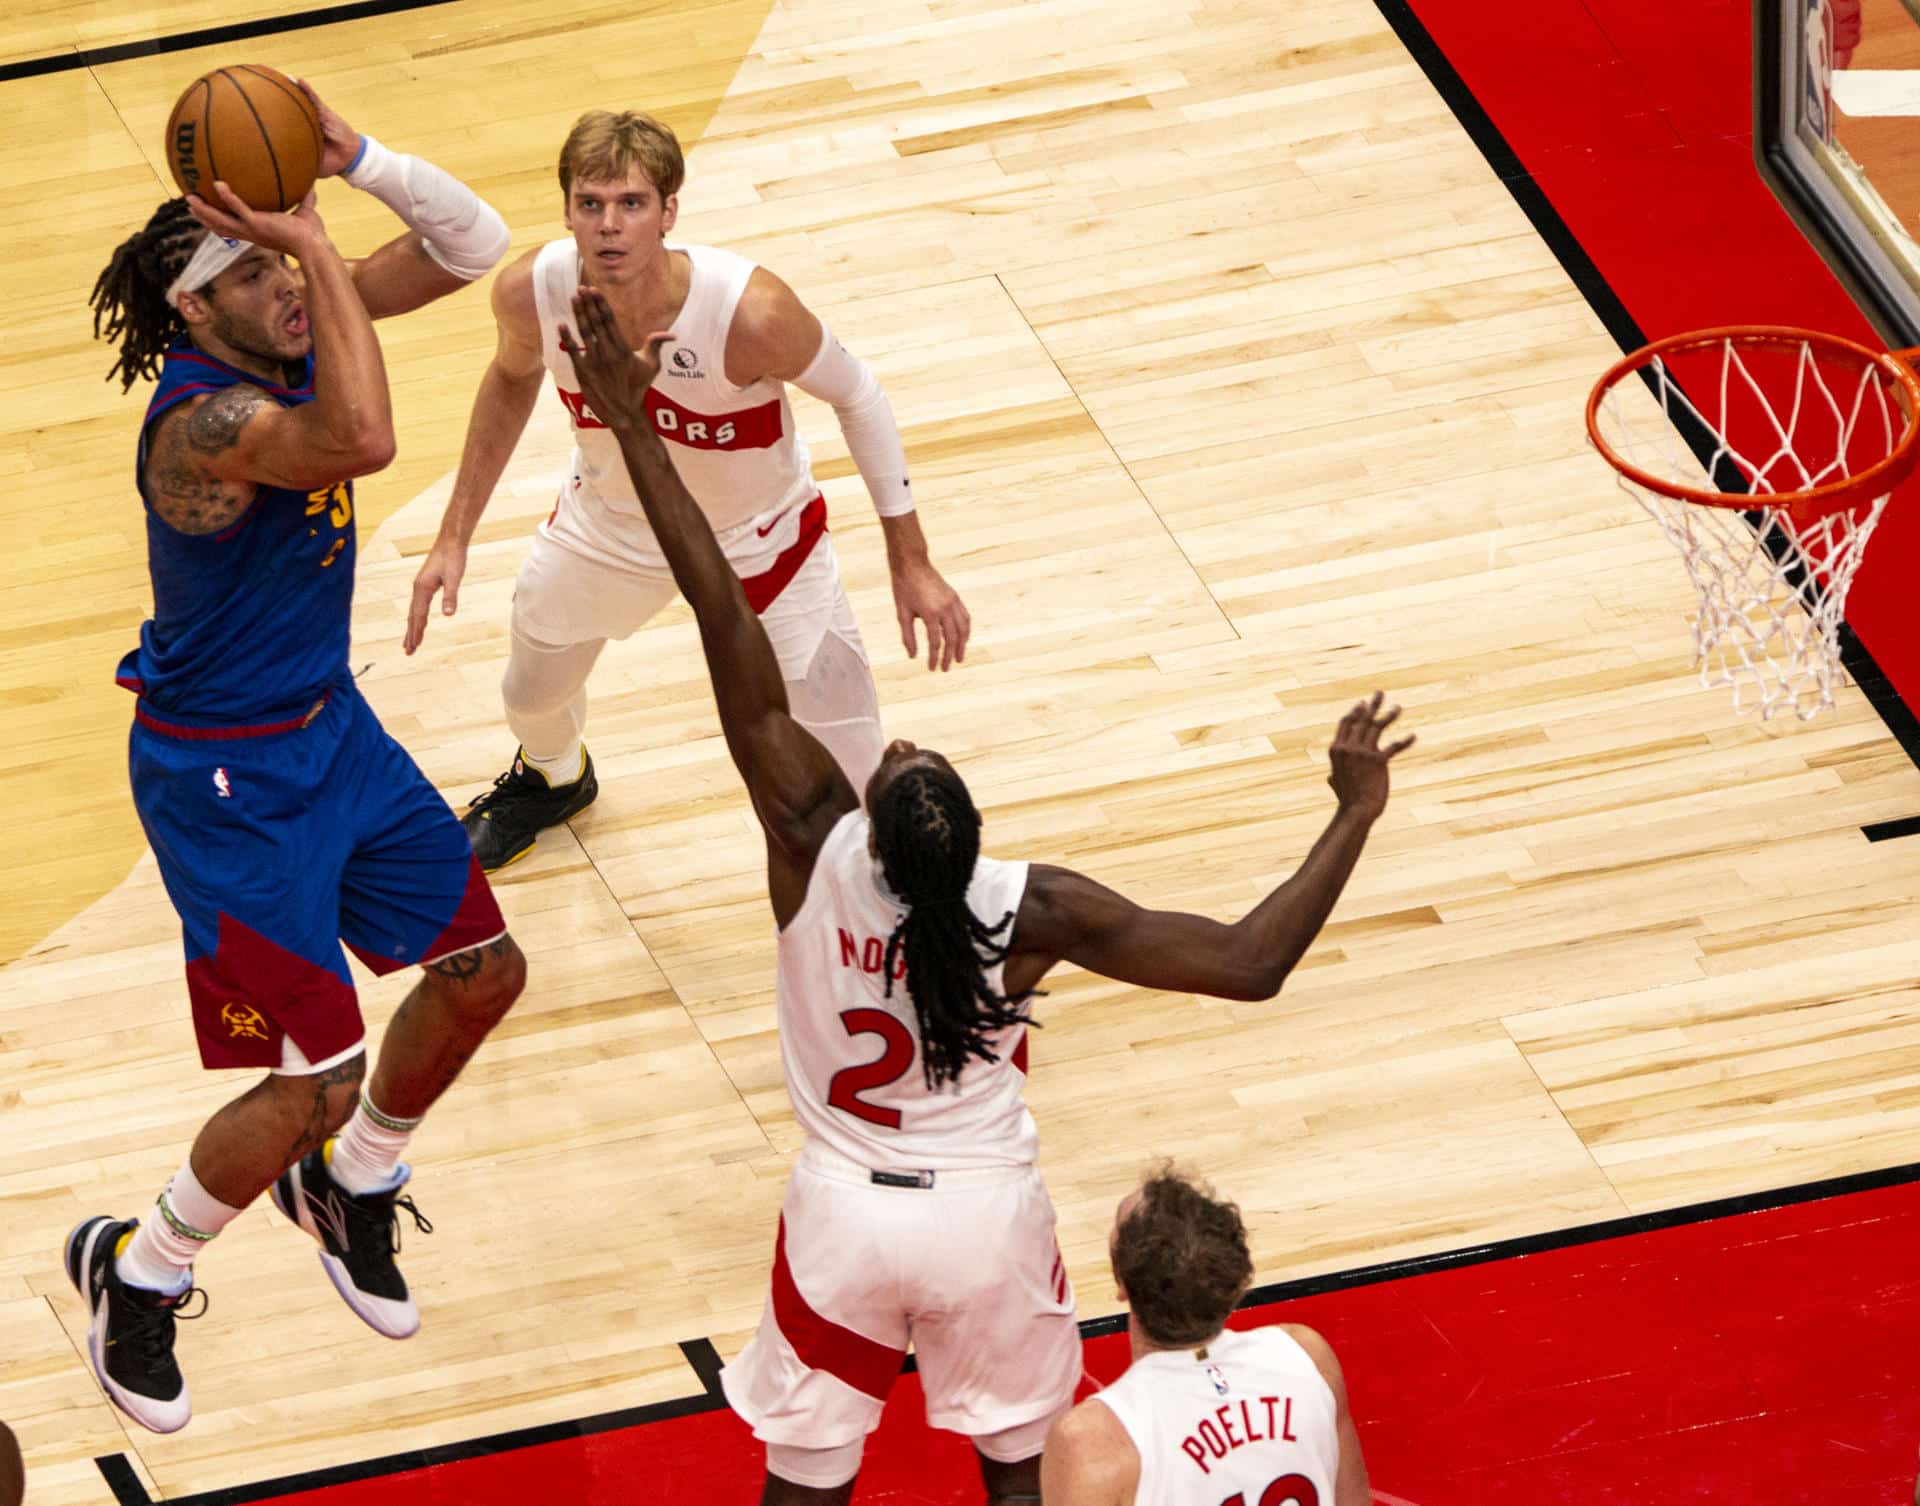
[1837, 138]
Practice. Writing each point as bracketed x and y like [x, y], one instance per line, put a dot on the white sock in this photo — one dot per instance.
[365, 1157]
[162, 1251]
[564, 768]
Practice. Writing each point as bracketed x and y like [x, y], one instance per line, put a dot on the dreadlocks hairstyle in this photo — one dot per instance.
[928, 833]
[129, 298]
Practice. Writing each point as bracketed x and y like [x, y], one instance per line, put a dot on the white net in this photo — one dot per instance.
[1775, 419]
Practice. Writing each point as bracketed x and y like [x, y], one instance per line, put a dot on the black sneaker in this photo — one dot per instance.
[130, 1328]
[359, 1234]
[503, 822]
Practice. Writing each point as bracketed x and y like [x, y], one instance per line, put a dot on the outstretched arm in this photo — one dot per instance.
[1067, 916]
[797, 788]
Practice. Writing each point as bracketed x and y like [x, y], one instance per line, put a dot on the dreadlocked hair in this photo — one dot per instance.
[928, 834]
[129, 297]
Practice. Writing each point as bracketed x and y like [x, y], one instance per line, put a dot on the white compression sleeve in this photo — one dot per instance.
[460, 230]
[837, 376]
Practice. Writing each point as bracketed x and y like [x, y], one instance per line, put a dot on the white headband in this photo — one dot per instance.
[211, 257]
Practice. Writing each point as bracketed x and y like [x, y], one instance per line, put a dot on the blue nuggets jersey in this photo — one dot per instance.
[250, 623]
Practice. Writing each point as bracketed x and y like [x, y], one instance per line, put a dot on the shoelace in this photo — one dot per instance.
[486, 797]
[148, 1333]
[389, 1216]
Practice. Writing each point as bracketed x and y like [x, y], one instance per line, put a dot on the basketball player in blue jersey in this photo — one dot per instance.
[933, 1135]
[283, 817]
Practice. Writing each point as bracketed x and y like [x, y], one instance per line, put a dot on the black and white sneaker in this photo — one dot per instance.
[502, 822]
[358, 1234]
[130, 1328]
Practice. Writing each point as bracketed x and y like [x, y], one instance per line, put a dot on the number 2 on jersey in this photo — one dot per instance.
[1288, 1490]
[890, 1066]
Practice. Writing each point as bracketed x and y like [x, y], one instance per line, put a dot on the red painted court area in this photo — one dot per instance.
[1765, 1358]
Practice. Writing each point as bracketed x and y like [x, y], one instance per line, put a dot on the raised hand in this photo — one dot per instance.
[340, 142]
[1359, 764]
[614, 377]
[292, 231]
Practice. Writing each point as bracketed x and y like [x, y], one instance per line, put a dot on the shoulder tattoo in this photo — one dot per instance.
[214, 425]
[183, 491]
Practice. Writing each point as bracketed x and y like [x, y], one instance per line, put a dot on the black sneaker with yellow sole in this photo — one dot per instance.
[503, 822]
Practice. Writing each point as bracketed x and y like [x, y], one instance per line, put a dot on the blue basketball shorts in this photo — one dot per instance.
[278, 842]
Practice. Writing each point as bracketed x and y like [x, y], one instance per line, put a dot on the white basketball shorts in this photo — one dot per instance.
[967, 1272]
[566, 595]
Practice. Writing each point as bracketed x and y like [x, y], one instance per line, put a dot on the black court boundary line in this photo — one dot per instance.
[1593, 286]
[208, 36]
[704, 1359]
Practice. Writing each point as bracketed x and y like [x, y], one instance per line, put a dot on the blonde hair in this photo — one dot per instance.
[604, 147]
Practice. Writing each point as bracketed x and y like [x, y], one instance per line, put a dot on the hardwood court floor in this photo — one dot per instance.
[1235, 385]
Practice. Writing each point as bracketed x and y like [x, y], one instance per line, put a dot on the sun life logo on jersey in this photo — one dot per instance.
[685, 363]
[243, 1022]
[220, 785]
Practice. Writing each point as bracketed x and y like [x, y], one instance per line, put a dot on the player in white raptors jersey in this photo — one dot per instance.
[915, 1215]
[1205, 1415]
[595, 571]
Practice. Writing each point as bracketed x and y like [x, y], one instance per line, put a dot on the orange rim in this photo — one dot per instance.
[1875, 481]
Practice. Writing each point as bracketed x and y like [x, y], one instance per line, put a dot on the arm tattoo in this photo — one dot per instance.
[214, 425]
[182, 491]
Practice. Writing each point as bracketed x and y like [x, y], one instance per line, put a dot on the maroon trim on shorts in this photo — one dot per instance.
[765, 588]
[823, 1344]
[250, 994]
[1019, 1057]
[477, 921]
[221, 734]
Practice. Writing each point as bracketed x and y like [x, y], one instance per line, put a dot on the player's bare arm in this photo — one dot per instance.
[1089, 1460]
[775, 334]
[1352, 1488]
[797, 789]
[1068, 916]
[501, 408]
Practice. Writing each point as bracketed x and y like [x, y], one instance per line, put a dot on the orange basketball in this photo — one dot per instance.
[250, 127]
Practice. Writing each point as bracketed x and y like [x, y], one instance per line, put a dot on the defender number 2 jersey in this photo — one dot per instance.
[855, 1073]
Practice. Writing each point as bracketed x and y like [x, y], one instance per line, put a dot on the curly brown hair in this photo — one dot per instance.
[1181, 1255]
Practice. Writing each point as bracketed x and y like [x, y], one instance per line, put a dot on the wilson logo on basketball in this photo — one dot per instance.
[750, 429]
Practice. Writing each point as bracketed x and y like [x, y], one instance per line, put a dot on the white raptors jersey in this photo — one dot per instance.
[736, 448]
[852, 1056]
[1247, 1420]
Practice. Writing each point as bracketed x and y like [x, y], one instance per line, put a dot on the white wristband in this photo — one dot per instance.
[460, 230]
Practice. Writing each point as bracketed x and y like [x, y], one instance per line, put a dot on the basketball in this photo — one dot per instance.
[252, 128]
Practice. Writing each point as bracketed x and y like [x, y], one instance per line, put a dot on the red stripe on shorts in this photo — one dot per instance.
[823, 1344]
[221, 734]
[763, 589]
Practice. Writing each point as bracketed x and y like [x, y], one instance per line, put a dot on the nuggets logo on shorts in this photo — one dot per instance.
[243, 1022]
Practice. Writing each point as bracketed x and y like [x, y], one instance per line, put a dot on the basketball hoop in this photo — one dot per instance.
[1766, 455]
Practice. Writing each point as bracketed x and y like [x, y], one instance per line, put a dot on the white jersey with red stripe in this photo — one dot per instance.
[735, 448]
[1247, 1420]
[852, 1054]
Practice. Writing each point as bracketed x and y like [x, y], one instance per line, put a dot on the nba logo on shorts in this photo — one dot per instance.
[220, 785]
